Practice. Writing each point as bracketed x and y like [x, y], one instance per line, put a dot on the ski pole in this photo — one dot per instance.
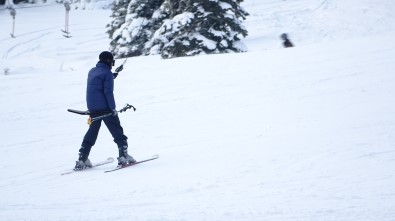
[126, 107]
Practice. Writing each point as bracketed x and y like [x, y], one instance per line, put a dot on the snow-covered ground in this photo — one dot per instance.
[305, 133]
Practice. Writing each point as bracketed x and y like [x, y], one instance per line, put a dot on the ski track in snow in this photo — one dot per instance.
[297, 134]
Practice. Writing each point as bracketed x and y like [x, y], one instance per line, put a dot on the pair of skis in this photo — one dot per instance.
[110, 160]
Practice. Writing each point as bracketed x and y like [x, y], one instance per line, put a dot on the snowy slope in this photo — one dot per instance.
[312, 21]
[305, 133]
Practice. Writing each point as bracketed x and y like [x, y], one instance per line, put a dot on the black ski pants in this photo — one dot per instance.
[114, 126]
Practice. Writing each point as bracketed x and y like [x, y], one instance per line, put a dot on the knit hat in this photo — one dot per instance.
[107, 58]
[284, 36]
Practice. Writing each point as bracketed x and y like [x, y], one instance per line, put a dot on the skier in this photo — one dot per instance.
[100, 98]
[287, 43]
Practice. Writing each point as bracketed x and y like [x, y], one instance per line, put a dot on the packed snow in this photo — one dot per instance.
[296, 134]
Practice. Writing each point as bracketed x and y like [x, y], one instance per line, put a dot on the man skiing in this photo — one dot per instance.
[286, 42]
[100, 99]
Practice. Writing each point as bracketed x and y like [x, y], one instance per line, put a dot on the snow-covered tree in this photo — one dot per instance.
[118, 15]
[143, 18]
[202, 26]
[176, 28]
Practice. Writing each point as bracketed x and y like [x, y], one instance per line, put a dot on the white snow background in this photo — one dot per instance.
[305, 133]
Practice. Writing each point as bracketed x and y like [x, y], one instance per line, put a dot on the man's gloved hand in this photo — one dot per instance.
[119, 69]
[114, 112]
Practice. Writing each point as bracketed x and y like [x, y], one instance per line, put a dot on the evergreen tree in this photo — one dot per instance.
[202, 26]
[118, 15]
[143, 18]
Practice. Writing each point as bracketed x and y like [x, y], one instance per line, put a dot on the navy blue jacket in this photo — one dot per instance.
[100, 89]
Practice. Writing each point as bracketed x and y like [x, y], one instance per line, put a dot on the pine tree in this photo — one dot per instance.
[118, 15]
[202, 26]
[143, 18]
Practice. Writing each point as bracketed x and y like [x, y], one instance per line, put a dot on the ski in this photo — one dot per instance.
[109, 160]
[132, 164]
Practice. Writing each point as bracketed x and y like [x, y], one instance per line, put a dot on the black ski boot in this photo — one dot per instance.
[124, 158]
[83, 162]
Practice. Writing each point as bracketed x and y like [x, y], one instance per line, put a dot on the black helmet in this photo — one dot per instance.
[107, 58]
[284, 36]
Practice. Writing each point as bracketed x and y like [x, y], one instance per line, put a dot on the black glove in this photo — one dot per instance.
[119, 69]
[115, 75]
